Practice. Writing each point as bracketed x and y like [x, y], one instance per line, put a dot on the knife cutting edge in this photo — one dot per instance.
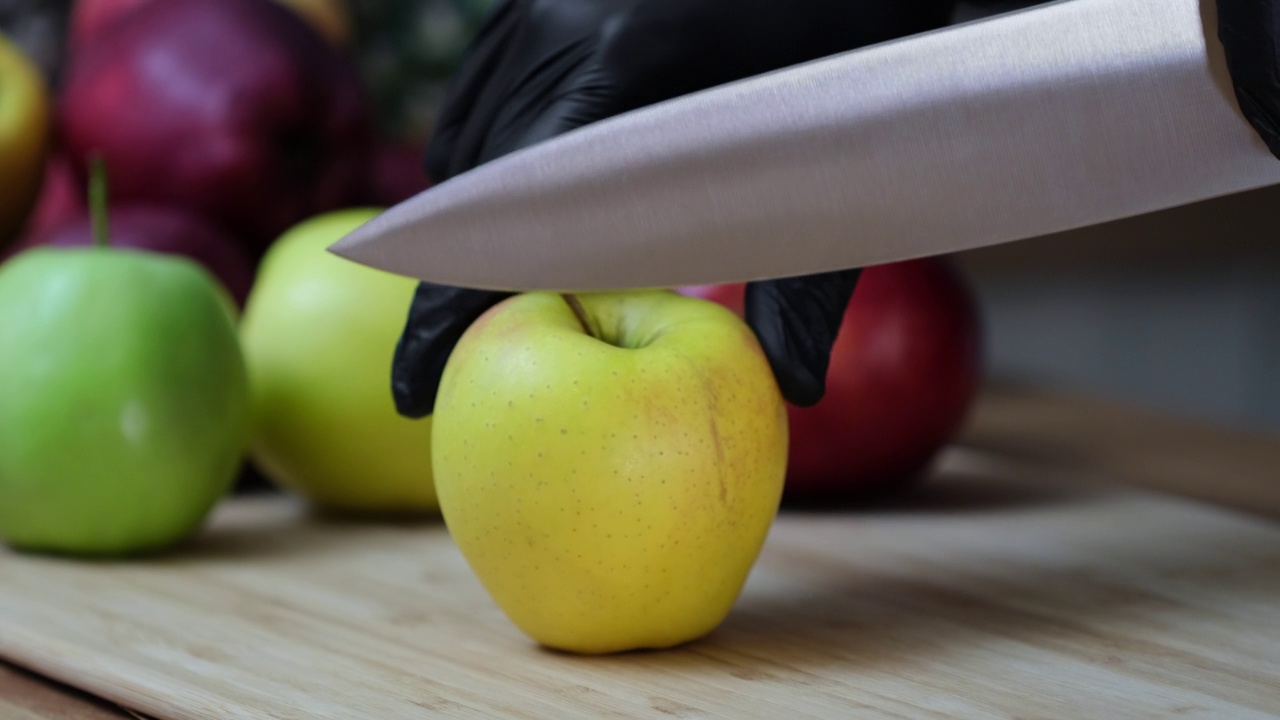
[1038, 121]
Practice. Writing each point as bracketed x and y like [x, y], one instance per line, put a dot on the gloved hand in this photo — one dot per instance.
[1250, 34]
[539, 68]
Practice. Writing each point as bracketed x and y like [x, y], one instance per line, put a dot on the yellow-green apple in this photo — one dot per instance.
[24, 137]
[904, 371]
[610, 474]
[319, 334]
[254, 120]
[125, 405]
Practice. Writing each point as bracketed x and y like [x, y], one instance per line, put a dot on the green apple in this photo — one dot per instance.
[123, 399]
[319, 334]
[610, 464]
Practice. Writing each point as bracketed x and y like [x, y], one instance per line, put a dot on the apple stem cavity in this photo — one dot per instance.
[98, 201]
[581, 313]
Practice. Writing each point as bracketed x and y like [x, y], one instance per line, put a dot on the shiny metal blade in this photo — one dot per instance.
[1043, 120]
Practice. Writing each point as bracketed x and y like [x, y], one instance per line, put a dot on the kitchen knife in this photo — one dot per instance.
[1001, 129]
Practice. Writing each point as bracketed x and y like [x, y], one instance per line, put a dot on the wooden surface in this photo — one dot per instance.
[24, 696]
[1107, 442]
[1118, 444]
[1000, 590]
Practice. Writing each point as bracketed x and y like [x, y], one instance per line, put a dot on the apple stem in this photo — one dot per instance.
[98, 200]
[580, 312]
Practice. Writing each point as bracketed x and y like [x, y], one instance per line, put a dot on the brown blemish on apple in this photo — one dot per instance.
[716, 438]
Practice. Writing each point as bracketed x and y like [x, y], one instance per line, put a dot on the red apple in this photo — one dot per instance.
[88, 17]
[165, 229]
[61, 200]
[62, 197]
[235, 109]
[904, 371]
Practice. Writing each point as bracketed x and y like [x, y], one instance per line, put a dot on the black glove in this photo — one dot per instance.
[539, 68]
[1250, 34]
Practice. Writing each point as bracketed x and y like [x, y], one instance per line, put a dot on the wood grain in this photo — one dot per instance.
[999, 590]
[1119, 443]
[24, 696]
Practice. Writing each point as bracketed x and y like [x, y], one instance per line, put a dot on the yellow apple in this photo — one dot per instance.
[319, 333]
[24, 137]
[611, 489]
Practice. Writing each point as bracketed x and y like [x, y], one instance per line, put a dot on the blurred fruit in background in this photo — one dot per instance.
[24, 137]
[165, 229]
[904, 371]
[61, 198]
[319, 333]
[38, 27]
[237, 109]
[407, 51]
[225, 122]
[125, 412]
[329, 17]
[394, 173]
[89, 17]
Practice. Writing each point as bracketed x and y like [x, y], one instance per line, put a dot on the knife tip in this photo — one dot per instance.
[343, 247]
[354, 245]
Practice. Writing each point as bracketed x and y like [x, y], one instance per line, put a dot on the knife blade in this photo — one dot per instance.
[1002, 129]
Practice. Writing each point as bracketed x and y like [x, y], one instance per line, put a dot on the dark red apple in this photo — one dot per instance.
[904, 371]
[165, 229]
[235, 109]
[88, 17]
[62, 197]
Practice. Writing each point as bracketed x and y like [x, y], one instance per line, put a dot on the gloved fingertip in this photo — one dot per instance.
[804, 392]
[412, 401]
[797, 321]
[412, 389]
[438, 317]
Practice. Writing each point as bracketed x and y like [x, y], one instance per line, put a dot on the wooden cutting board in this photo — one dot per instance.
[997, 591]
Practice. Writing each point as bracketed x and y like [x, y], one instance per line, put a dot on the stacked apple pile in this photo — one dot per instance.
[609, 464]
[229, 140]
[235, 120]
